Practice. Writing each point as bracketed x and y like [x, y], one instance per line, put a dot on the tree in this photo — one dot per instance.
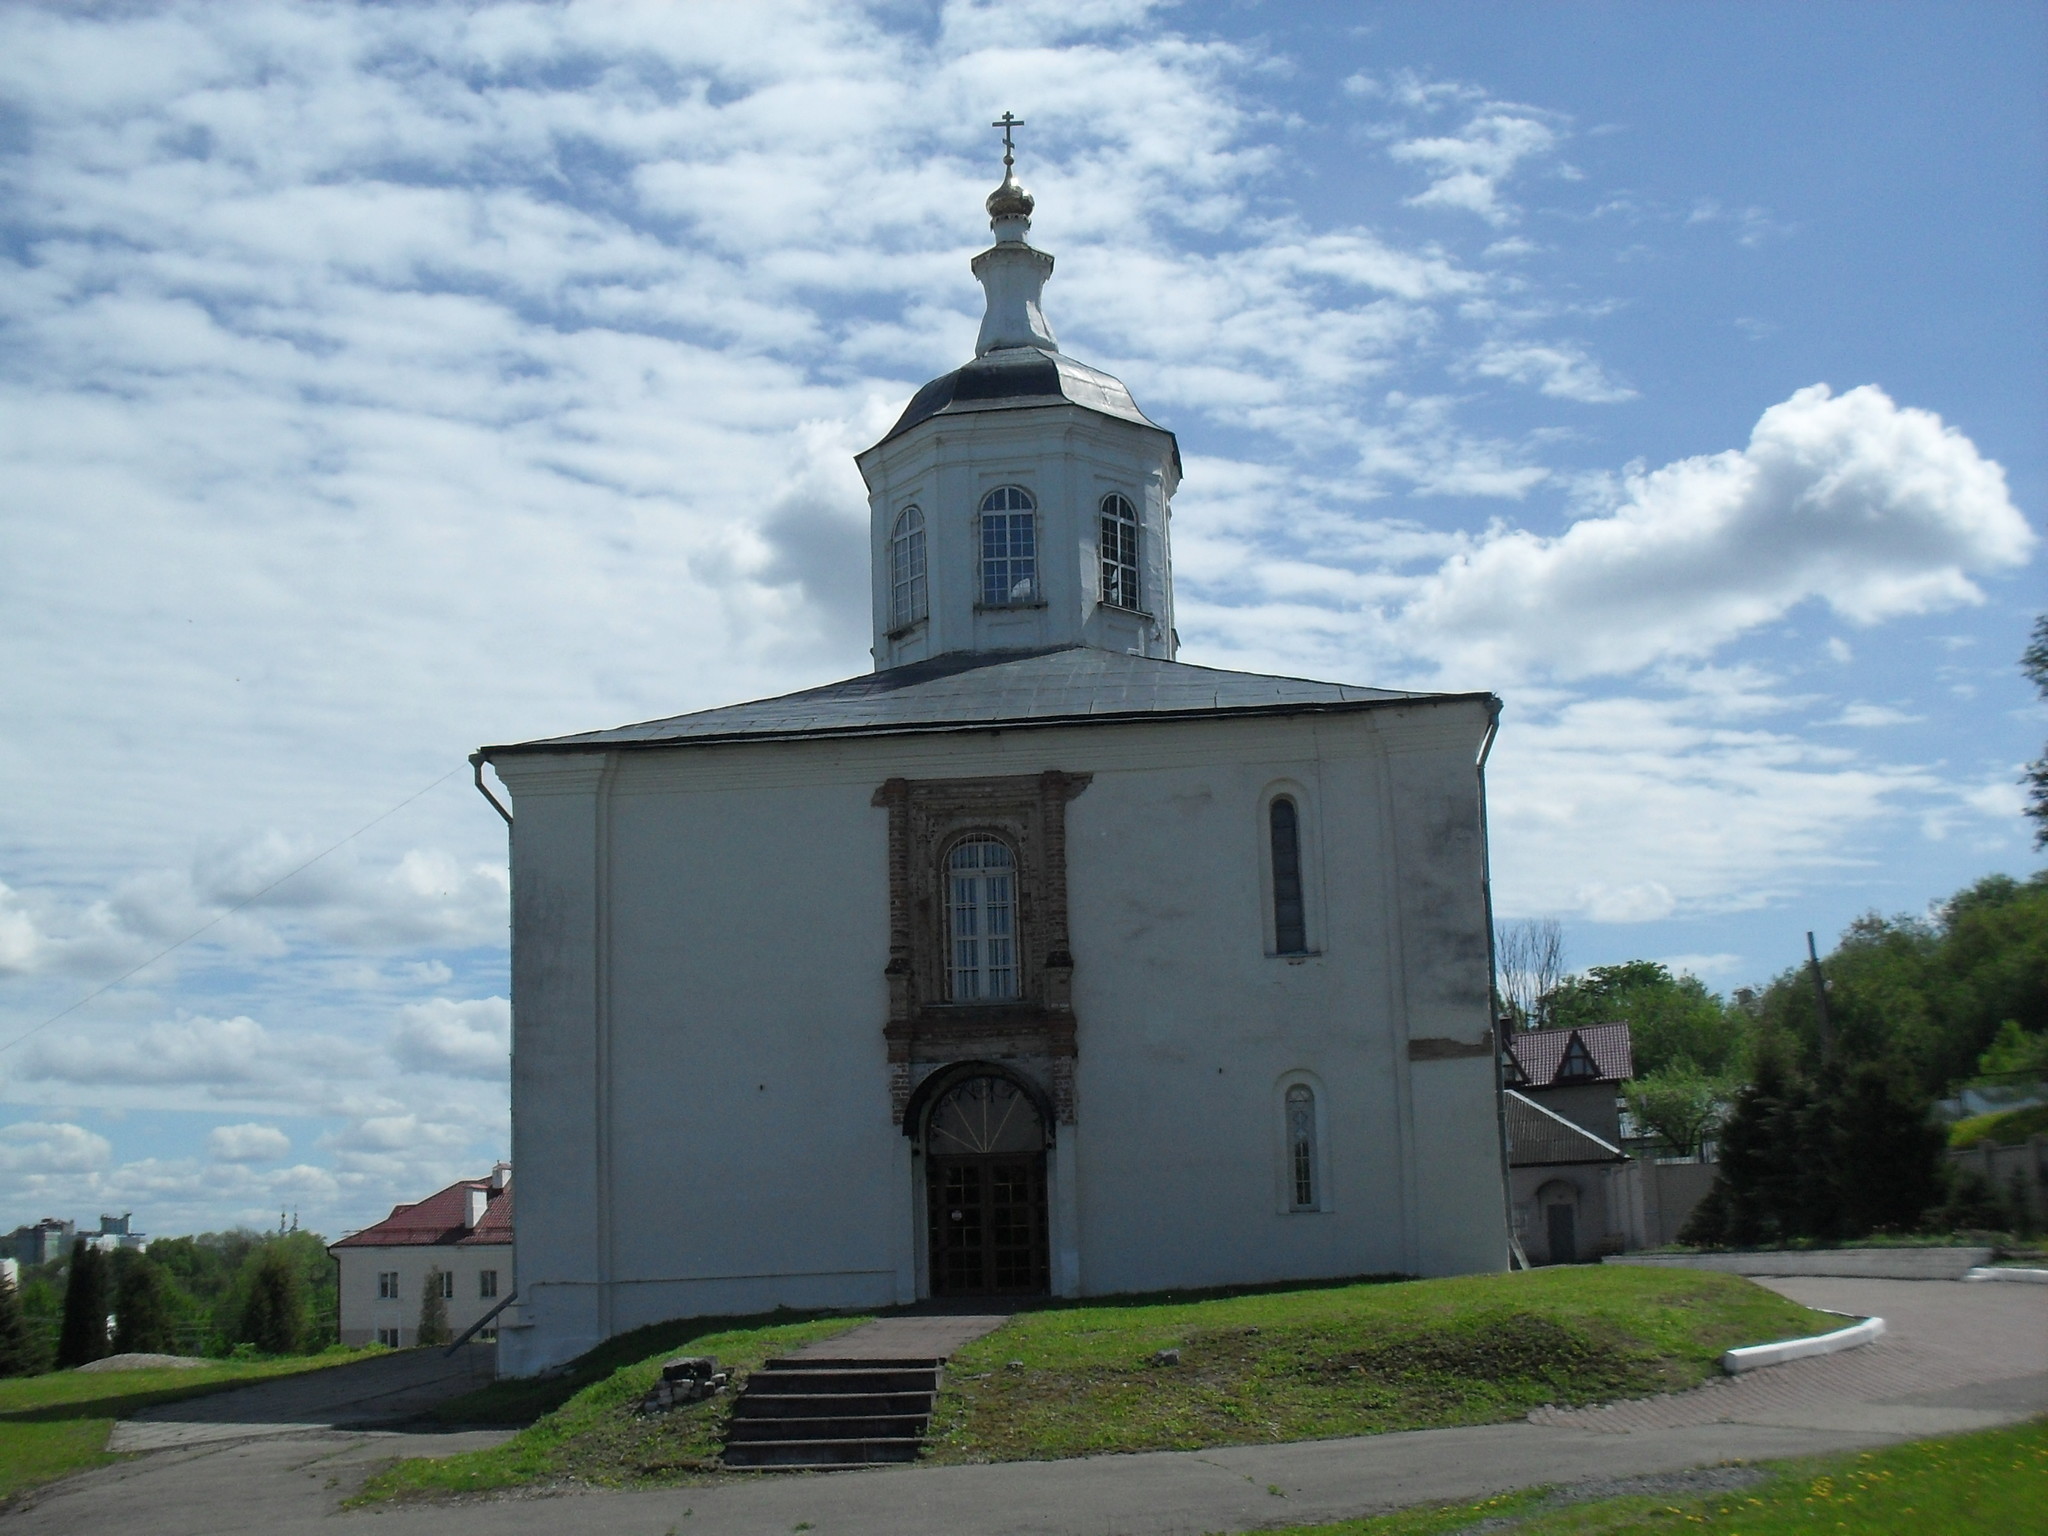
[273, 1310]
[1888, 1151]
[84, 1338]
[1680, 1104]
[433, 1310]
[145, 1314]
[2034, 662]
[1529, 958]
[2013, 1052]
[1670, 1018]
[17, 1349]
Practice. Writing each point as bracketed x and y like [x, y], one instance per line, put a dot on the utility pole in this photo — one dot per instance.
[1820, 998]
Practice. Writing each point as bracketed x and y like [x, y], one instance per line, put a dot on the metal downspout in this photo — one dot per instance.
[1500, 1101]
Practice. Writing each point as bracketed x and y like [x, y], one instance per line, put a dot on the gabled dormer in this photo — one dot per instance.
[1022, 500]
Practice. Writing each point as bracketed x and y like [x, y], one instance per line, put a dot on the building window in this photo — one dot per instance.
[1290, 918]
[1009, 548]
[387, 1285]
[1301, 1149]
[906, 570]
[487, 1284]
[981, 919]
[447, 1284]
[388, 1337]
[1120, 553]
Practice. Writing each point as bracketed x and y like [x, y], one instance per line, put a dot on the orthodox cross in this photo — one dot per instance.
[1006, 122]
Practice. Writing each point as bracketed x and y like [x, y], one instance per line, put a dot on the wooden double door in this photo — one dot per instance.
[985, 1192]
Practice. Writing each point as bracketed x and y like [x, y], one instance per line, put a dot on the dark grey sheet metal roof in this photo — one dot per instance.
[1538, 1137]
[977, 690]
[1017, 377]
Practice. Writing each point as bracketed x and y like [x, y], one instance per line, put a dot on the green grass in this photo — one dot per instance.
[2002, 1128]
[1343, 1360]
[57, 1424]
[582, 1428]
[1992, 1483]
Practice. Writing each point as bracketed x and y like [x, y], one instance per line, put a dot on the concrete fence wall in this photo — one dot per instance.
[1997, 1165]
[1655, 1199]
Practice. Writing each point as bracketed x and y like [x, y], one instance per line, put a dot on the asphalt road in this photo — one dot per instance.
[1956, 1357]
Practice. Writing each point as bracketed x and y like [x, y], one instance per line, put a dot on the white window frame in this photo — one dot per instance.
[982, 949]
[389, 1338]
[1117, 546]
[487, 1285]
[1320, 1203]
[909, 584]
[387, 1285]
[1015, 510]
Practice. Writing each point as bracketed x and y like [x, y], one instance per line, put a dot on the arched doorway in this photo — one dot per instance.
[984, 1145]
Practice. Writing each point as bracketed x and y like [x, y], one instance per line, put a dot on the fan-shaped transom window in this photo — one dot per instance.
[1120, 552]
[981, 919]
[906, 570]
[1290, 916]
[1301, 1148]
[984, 1116]
[1009, 548]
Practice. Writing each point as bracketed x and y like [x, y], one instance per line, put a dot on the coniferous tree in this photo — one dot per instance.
[433, 1311]
[17, 1349]
[273, 1311]
[1888, 1151]
[84, 1338]
[145, 1320]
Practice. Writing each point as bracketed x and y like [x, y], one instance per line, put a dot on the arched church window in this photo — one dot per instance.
[984, 1116]
[1302, 1194]
[906, 570]
[1009, 548]
[1119, 552]
[981, 919]
[1290, 916]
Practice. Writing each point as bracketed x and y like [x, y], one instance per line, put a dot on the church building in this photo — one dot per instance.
[1034, 961]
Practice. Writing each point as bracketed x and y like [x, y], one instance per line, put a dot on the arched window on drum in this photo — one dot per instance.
[981, 920]
[907, 599]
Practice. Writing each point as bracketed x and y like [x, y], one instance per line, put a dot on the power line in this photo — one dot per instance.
[212, 922]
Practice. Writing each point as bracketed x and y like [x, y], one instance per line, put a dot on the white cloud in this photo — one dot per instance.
[229, 1057]
[1559, 369]
[1468, 167]
[37, 1147]
[249, 1143]
[465, 1039]
[1875, 509]
[1872, 716]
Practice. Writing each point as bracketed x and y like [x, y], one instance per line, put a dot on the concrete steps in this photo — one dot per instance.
[811, 1412]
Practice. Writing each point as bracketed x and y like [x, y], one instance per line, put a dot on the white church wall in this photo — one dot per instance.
[705, 1128]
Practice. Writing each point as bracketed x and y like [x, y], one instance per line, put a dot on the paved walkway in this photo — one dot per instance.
[1957, 1357]
[932, 1337]
[382, 1389]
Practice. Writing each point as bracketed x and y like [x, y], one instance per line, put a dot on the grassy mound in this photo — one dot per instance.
[1343, 1360]
[2002, 1128]
[1985, 1484]
[583, 1428]
[1279, 1364]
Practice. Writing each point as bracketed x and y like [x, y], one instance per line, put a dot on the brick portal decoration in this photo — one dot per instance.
[925, 1031]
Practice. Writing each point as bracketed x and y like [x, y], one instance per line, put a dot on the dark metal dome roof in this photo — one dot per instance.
[1018, 377]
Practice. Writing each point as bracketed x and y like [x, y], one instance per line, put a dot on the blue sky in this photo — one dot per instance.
[376, 382]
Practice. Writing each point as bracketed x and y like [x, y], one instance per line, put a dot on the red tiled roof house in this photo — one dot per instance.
[464, 1231]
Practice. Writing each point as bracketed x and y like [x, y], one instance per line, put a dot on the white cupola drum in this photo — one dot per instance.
[1022, 501]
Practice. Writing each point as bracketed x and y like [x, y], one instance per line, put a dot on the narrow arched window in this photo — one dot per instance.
[1301, 1149]
[906, 570]
[1290, 918]
[1009, 548]
[1119, 553]
[981, 919]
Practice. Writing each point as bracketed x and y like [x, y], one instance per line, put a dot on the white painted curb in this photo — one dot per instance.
[1748, 1358]
[1997, 1272]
